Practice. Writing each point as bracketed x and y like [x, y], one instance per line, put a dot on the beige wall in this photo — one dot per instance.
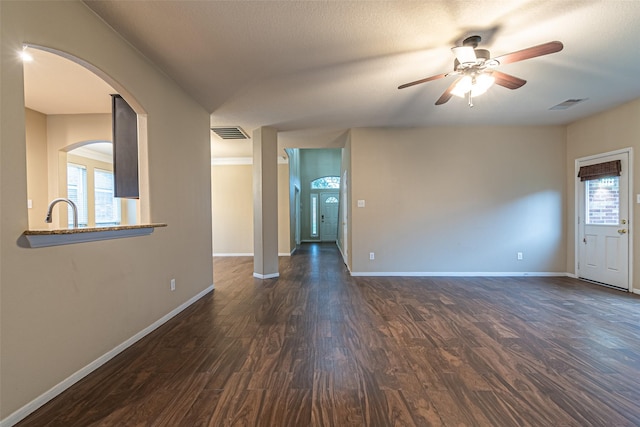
[36, 139]
[63, 307]
[612, 130]
[284, 239]
[458, 199]
[232, 209]
[294, 184]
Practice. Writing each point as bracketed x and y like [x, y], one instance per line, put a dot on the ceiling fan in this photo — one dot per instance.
[477, 70]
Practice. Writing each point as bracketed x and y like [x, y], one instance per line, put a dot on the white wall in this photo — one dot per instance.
[461, 200]
[61, 308]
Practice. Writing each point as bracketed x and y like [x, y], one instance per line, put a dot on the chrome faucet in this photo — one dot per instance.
[73, 207]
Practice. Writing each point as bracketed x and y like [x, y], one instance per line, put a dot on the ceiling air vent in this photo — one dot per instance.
[567, 104]
[230, 132]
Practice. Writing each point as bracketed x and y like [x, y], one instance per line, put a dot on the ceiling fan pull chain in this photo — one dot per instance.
[470, 99]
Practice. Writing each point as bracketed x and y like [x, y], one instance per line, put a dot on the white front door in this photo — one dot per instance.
[603, 225]
[329, 217]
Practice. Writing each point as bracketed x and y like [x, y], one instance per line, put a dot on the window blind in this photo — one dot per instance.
[600, 170]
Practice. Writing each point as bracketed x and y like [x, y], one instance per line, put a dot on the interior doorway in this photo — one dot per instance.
[603, 210]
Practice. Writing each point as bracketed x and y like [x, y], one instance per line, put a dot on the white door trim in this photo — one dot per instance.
[576, 244]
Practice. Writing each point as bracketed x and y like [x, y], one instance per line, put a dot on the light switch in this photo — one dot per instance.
[637, 198]
[361, 202]
[29, 203]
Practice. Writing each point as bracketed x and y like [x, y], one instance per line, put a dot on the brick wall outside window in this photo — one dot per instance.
[603, 198]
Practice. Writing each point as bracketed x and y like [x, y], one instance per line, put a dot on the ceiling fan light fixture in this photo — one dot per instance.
[464, 54]
[462, 87]
[477, 85]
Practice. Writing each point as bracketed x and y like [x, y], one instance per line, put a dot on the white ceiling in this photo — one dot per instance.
[314, 69]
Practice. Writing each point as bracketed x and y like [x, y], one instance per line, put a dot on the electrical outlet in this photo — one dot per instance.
[372, 255]
[173, 284]
[520, 258]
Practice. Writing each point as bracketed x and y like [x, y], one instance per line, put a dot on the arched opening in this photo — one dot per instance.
[69, 138]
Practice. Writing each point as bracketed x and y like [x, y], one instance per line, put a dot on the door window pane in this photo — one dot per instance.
[331, 200]
[314, 215]
[603, 201]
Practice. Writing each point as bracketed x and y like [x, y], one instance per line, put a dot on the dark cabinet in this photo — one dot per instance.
[125, 149]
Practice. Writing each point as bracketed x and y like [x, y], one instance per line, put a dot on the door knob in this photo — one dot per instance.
[622, 231]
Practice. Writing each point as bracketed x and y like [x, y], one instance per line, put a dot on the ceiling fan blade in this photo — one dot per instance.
[532, 52]
[465, 54]
[507, 80]
[417, 82]
[447, 93]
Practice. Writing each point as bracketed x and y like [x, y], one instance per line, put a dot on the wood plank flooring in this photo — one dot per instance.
[317, 347]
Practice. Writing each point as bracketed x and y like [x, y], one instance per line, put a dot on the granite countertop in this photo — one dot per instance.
[78, 230]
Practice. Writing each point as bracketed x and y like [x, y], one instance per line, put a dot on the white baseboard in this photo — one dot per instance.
[45, 397]
[251, 254]
[233, 254]
[459, 274]
[266, 276]
[344, 258]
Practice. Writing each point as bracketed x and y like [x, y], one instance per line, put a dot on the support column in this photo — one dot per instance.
[265, 203]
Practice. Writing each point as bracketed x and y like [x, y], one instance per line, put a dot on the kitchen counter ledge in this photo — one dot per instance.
[66, 236]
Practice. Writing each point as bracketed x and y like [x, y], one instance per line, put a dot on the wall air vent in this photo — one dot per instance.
[230, 132]
[567, 104]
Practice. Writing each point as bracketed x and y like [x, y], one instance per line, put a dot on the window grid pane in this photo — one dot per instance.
[107, 207]
[326, 182]
[77, 193]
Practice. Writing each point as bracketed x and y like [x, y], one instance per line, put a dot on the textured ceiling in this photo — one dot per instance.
[313, 69]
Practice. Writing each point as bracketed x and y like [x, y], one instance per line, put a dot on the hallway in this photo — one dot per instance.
[319, 347]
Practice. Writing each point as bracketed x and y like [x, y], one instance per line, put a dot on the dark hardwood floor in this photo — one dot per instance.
[317, 347]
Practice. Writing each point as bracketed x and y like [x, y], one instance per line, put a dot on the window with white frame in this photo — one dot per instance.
[107, 207]
[77, 193]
